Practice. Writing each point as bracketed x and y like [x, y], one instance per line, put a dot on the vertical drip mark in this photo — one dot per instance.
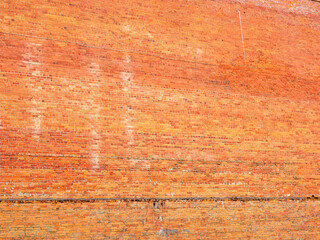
[95, 142]
[244, 53]
[127, 87]
[33, 65]
[95, 109]
[36, 119]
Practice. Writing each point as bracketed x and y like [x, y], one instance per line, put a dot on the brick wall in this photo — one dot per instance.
[159, 99]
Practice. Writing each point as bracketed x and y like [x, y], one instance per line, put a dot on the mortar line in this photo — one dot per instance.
[143, 158]
[160, 200]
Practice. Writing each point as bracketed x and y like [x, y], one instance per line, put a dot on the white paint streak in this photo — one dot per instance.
[95, 149]
[127, 28]
[33, 64]
[36, 119]
[127, 87]
[199, 52]
[244, 53]
[94, 107]
[129, 128]
[127, 60]
[128, 119]
[127, 81]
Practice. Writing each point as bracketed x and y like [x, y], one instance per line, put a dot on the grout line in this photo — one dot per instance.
[160, 200]
[139, 158]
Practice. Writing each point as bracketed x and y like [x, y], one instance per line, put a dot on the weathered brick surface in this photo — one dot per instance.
[181, 220]
[154, 99]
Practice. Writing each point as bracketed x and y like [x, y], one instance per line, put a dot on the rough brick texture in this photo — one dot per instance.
[158, 99]
[203, 220]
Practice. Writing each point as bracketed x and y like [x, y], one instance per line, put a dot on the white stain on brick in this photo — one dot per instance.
[36, 119]
[30, 64]
[127, 81]
[36, 73]
[135, 30]
[129, 128]
[94, 107]
[127, 60]
[95, 149]
[127, 28]
[128, 119]
[199, 52]
[33, 63]
[128, 87]
[94, 125]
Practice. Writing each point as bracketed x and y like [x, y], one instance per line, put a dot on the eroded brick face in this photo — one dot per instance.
[185, 100]
[187, 220]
